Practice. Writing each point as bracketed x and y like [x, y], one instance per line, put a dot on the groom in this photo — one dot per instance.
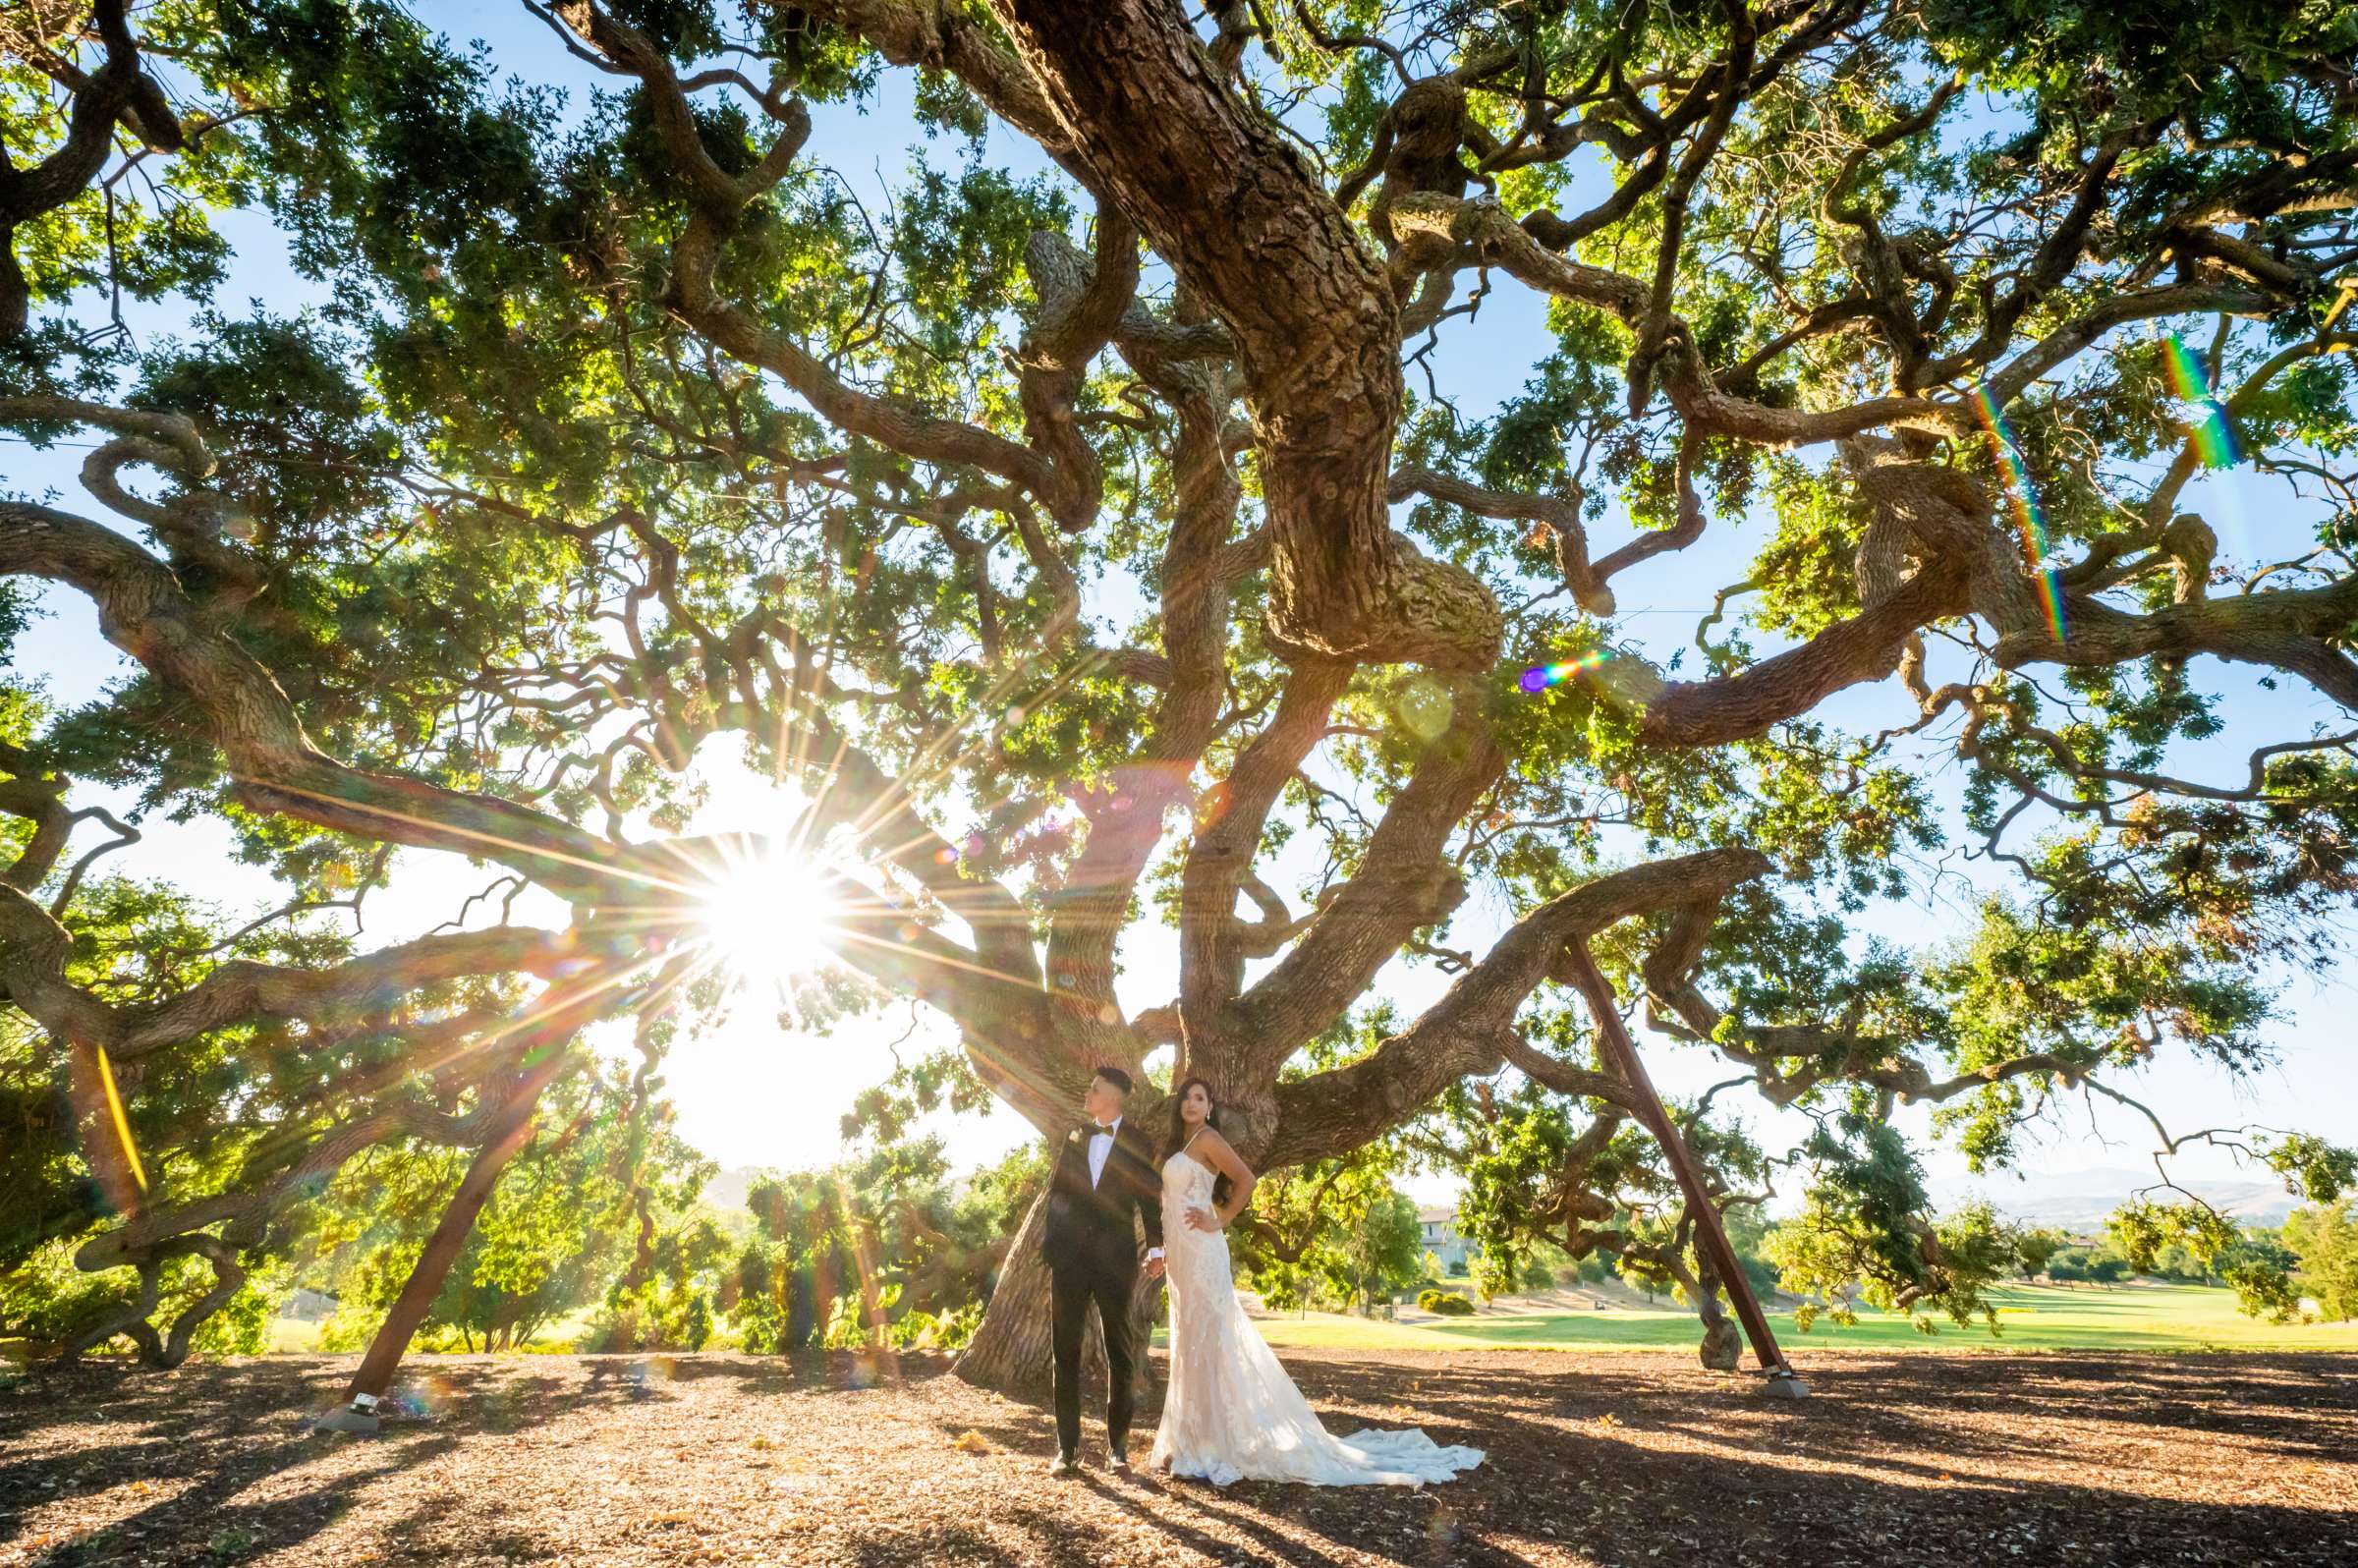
[1104, 1172]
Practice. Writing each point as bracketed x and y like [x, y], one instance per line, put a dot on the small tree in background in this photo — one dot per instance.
[2034, 1246]
[1332, 1233]
[885, 1247]
[2326, 1240]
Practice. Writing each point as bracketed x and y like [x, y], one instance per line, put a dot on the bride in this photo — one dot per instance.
[1230, 1413]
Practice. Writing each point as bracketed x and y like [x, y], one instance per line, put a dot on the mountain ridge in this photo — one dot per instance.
[2080, 1200]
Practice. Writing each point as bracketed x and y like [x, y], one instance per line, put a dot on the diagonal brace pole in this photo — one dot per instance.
[1711, 1237]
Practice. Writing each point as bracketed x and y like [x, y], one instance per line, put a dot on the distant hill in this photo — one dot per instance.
[727, 1190]
[2079, 1200]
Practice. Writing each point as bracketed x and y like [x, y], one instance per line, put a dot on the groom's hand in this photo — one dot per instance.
[1153, 1269]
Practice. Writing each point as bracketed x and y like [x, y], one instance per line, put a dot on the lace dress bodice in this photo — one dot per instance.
[1230, 1413]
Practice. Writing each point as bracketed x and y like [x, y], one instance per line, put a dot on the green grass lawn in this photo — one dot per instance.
[2160, 1317]
[295, 1336]
[2030, 1316]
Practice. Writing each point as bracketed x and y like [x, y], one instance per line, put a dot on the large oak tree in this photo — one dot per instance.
[1075, 541]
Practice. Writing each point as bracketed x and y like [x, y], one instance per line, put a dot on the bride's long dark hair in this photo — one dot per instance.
[1177, 1139]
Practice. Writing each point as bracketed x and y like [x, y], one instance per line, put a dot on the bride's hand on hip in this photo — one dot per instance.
[1202, 1219]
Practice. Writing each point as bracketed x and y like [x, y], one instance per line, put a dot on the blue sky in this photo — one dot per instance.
[751, 1094]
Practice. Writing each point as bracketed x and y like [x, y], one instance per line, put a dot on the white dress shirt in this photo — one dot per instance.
[1100, 1149]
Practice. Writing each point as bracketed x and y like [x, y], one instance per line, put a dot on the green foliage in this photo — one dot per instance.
[2125, 62]
[1860, 1231]
[884, 1247]
[44, 1298]
[1748, 1232]
[1447, 1303]
[2326, 1239]
[2312, 1167]
[2092, 1266]
[1332, 1233]
[944, 1079]
[596, 1212]
[668, 1304]
[520, 520]
[2036, 1246]
[2261, 1268]
[2140, 1229]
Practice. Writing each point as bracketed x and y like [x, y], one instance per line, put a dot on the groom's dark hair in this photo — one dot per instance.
[1114, 1075]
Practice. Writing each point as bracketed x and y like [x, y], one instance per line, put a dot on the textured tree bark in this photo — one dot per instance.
[1232, 208]
[1403, 881]
[1010, 1352]
[1722, 1347]
[163, 1352]
[1336, 1111]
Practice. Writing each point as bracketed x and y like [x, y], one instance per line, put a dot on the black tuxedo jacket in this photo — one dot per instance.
[1090, 1227]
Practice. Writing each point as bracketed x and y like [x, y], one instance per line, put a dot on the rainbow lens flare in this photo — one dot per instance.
[1539, 677]
[2213, 436]
[114, 1110]
[2027, 516]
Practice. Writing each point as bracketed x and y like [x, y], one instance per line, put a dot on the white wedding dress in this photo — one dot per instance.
[1229, 1412]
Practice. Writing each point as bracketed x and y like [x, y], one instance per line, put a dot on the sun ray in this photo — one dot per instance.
[476, 835]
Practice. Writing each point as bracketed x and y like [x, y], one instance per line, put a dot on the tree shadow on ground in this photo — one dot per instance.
[2095, 1459]
[1616, 1455]
[2294, 1407]
[153, 1453]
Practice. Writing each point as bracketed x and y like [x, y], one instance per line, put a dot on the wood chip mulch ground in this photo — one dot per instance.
[1626, 1459]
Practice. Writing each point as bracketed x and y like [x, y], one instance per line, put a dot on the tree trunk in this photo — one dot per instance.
[1010, 1350]
[1012, 1353]
[1226, 201]
[1723, 1348]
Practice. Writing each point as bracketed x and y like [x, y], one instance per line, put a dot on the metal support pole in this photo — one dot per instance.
[1621, 1054]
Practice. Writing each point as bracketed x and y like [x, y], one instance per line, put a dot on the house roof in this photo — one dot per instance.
[1443, 1214]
